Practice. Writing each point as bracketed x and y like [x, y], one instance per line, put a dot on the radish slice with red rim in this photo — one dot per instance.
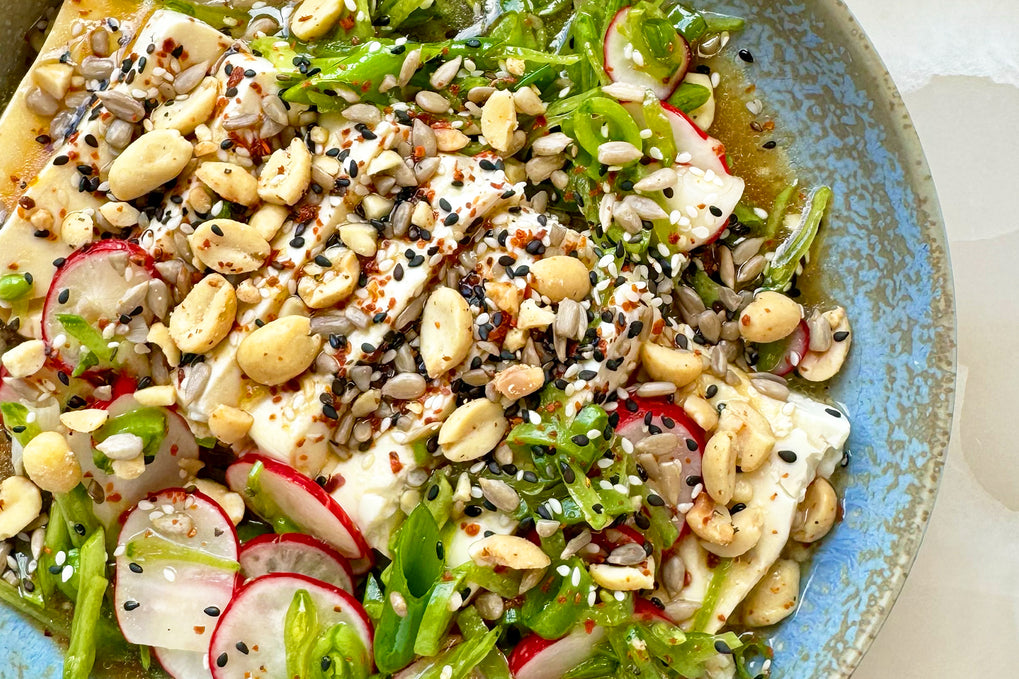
[296, 553]
[640, 418]
[183, 664]
[166, 469]
[250, 640]
[630, 57]
[291, 502]
[100, 283]
[537, 658]
[705, 152]
[176, 570]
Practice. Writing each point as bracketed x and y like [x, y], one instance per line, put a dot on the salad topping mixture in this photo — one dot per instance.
[410, 338]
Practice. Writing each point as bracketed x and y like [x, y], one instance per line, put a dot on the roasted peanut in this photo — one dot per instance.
[206, 315]
[278, 351]
[816, 514]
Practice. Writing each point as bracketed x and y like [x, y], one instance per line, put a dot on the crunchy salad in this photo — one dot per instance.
[409, 338]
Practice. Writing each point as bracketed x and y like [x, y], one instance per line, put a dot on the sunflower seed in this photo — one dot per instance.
[751, 269]
[444, 74]
[476, 377]
[331, 323]
[479, 95]
[618, 153]
[654, 389]
[551, 144]
[690, 302]
[657, 180]
[629, 554]
[410, 66]
[583, 539]
[95, 68]
[719, 361]
[122, 106]
[500, 494]
[646, 208]
[659, 445]
[709, 325]
[273, 107]
[410, 313]
[188, 79]
[423, 137]
[820, 332]
[746, 249]
[726, 267]
[240, 122]
[673, 575]
[363, 113]
[194, 382]
[431, 101]
[626, 216]
[770, 388]
[119, 133]
[404, 387]
[425, 169]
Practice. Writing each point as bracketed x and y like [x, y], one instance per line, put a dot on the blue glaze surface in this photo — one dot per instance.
[884, 257]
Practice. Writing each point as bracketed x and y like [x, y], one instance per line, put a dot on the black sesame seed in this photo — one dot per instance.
[135, 568]
[642, 521]
[833, 412]
[222, 660]
[451, 219]
[323, 261]
[131, 605]
[226, 144]
[473, 42]
[242, 647]
[787, 456]
[91, 141]
[655, 500]
[325, 663]
[297, 242]
[330, 412]
[472, 511]
[216, 230]
[440, 551]
[711, 391]
[635, 329]
[770, 144]
[692, 480]
[530, 477]
[722, 647]
[444, 204]
[737, 508]
[212, 611]
[433, 492]
[568, 474]
[580, 440]
[598, 509]
[840, 336]
[542, 511]
[486, 164]
[715, 210]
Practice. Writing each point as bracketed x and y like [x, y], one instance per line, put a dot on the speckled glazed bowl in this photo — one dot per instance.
[884, 256]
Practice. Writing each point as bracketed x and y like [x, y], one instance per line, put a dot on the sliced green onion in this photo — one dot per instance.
[601, 120]
[81, 652]
[782, 267]
[778, 210]
[14, 286]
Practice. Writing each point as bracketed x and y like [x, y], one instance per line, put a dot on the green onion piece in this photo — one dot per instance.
[721, 23]
[593, 668]
[156, 548]
[10, 596]
[746, 216]
[418, 562]
[16, 421]
[148, 424]
[76, 510]
[437, 616]
[718, 577]
[689, 23]
[262, 505]
[374, 599]
[601, 120]
[90, 338]
[706, 288]
[470, 623]
[81, 652]
[300, 630]
[661, 129]
[462, 658]
[556, 604]
[782, 267]
[338, 653]
[689, 97]
[438, 497]
[145, 657]
[778, 211]
[14, 286]
[56, 540]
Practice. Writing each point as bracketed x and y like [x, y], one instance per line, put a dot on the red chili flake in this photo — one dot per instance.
[394, 462]
[347, 23]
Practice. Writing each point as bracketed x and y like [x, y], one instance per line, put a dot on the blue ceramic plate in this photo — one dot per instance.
[884, 256]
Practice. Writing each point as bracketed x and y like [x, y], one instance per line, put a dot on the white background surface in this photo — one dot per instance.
[957, 65]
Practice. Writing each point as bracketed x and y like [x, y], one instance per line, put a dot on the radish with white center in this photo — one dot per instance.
[640, 418]
[184, 664]
[100, 283]
[250, 641]
[296, 553]
[166, 468]
[645, 51]
[537, 658]
[783, 356]
[176, 570]
[291, 502]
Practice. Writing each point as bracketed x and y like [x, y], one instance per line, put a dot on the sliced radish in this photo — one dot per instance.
[783, 356]
[642, 417]
[165, 470]
[282, 492]
[249, 640]
[296, 553]
[184, 664]
[706, 152]
[176, 570]
[625, 64]
[99, 283]
[537, 658]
